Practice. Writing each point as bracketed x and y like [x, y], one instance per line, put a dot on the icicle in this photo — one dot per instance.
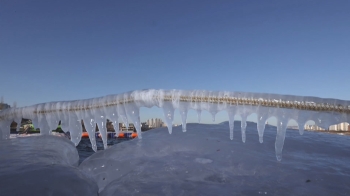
[63, 116]
[213, 116]
[301, 126]
[243, 126]
[160, 97]
[324, 120]
[112, 116]
[5, 129]
[168, 111]
[262, 116]
[100, 120]
[111, 112]
[195, 103]
[199, 114]
[183, 114]
[90, 124]
[2, 136]
[122, 114]
[101, 124]
[42, 122]
[294, 115]
[51, 118]
[75, 128]
[125, 107]
[182, 106]
[51, 121]
[1, 130]
[261, 127]
[231, 120]
[133, 114]
[303, 117]
[280, 136]
[18, 120]
[17, 117]
[133, 111]
[73, 121]
[212, 106]
[76, 124]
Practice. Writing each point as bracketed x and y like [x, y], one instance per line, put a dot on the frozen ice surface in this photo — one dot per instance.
[42, 165]
[39, 149]
[204, 161]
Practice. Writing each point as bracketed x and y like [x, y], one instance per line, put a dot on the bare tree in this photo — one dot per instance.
[14, 104]
[2, 99]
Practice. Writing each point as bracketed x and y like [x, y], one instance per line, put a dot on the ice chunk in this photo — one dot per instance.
[42, 165]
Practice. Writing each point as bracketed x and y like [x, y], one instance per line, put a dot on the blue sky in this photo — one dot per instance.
[68, 50]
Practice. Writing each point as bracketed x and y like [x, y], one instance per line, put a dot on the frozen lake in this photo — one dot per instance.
[202, 161]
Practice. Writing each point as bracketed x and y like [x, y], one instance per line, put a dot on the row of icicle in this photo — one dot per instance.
[125, 107]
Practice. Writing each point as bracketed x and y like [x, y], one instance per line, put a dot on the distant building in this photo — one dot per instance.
[4, 106]
[293, 127]
[333, 127]
[337, 127]
[340, 127]
[313, 127]
[154, 123]
[123, 127]
[144, 125]
[344, 126]
[111, 127]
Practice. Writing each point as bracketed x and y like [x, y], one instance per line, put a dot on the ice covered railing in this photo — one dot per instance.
[125, 107]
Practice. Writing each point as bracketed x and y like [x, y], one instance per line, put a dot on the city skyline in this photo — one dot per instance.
[154, 122]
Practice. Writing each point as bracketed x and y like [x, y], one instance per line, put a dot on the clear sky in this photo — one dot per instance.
[68, 50]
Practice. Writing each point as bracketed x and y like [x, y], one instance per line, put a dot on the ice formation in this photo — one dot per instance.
[42, 165]
[126, 106]
[204, 161]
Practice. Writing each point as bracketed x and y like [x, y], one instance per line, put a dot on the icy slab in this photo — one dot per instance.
[204, 161]
[42, 165]
[38, 149]
[39, 179]
[126, 108]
